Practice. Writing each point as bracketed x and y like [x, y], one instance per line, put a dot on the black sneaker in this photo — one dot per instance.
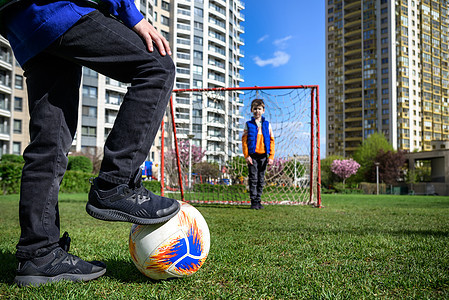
[56, 266]
[254, 205]
[130, 204]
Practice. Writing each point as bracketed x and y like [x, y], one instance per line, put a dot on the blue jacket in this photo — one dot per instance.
[252, 135]
[33, 27]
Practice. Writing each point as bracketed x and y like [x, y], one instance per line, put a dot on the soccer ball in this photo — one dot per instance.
[176, 248]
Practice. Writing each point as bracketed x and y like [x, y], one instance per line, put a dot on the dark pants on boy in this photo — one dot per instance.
[53, 78]
[256, 177]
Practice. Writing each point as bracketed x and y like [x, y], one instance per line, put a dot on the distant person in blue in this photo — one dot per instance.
[258, 150]
[52, 40]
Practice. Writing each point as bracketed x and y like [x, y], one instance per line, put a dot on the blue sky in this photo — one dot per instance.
[285, 45]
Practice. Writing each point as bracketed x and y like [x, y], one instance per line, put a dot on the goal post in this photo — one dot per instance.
[203, 160]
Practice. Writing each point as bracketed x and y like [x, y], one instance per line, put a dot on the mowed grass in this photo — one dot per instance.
[356, 247]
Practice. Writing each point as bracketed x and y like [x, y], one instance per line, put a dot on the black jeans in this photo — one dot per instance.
[256, 176]
[53, 79]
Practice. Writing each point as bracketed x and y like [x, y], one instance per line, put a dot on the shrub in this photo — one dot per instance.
[75, 182]
[216, 188]
[80, 163]
[10, 173]
[12, 158]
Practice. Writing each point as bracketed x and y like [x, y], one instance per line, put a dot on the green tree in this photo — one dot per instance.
[80, 163]
[206, 169]
[366, 154]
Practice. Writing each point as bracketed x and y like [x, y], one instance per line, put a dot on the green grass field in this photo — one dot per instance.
[356, 247]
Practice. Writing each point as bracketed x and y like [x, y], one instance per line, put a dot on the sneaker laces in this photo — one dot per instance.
[64, 242]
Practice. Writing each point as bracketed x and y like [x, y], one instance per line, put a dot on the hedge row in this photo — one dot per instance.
[215, 188]
[73, 182]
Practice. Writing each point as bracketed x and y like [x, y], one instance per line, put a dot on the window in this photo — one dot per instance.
[113, 98]
[385, 71]
[165, 34]
[165, 20]
[385, 60]
[198, 54]
[18, 104]
[197, 83]
[165, 5]
[385, 111]
[198, 25]
[197, 70]
[18, 83]
[89, 131]
[198, 12]
[16, 148]
[197, 40]
[17, 126]
[90, 73]
[89, 91]
[384, 91]
[89, 111]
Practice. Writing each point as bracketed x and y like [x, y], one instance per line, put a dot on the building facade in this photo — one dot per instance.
[205, 38]
[386, 72]
[207, 42]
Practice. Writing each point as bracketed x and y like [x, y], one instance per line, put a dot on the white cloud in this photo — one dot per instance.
[263, 38]
[280, 58]
[282, 43]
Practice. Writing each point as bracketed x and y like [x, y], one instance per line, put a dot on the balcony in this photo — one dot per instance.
[353, 61]
[353, 90]
[354, 15]
[351, 33]
[240, 16]
[354, 42]
[353, 109]
[353, 80]
[352, 24]
[353, 129]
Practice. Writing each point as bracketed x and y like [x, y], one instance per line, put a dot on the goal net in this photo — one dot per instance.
[202, 136]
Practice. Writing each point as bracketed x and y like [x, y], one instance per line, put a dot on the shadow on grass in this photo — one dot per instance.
[8, 263]
[120, 270]
[126, 271]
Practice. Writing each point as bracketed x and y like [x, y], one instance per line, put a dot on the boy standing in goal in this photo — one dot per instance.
[258, 149]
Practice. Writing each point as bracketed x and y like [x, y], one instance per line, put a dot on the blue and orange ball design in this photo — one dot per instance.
[176, 248]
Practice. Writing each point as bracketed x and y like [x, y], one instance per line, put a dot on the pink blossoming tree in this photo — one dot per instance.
[344, 168]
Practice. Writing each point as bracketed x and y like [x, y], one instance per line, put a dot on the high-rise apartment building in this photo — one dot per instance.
[207, 41]
[387, 72]
[14, 135]
[205, 38]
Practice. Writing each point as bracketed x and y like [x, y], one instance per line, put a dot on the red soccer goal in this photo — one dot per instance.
[215, 132]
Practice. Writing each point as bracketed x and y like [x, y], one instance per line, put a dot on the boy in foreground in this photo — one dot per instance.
[52, 41]
[258, 149]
